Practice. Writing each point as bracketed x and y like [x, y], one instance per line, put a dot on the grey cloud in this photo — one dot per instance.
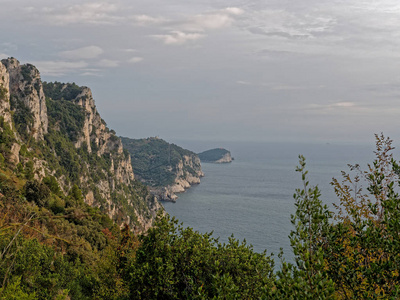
[257, 30]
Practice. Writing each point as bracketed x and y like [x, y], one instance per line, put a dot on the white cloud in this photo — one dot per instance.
[89, 73]
[135, 60]
[89, 13]
[108, 63]
[82, 53]
[212, 21]
[59, 68]
[145, 20]
[235, 11]
[344, 104]
[178, 37]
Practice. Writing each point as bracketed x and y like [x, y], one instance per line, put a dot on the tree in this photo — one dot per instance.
[173, 262]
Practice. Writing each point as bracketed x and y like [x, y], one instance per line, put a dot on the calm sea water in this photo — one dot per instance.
[252, 197]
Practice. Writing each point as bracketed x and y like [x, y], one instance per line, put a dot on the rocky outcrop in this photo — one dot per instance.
[5, 111]
[26, 88]
[166, 168]
[217, 155]
[227, 158]
[76, 146]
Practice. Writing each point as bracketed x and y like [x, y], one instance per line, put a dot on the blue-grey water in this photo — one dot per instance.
[252, 197]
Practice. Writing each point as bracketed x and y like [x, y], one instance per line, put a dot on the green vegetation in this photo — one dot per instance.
[66, 116]
[22, 117]
[61, 91]
[55, 246]
[155, 161]
[3, 93]
[213, 155]
[70, 250]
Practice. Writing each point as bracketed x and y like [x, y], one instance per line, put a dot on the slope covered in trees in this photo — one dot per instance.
[58, 239]
[73, 250]
[166, 168]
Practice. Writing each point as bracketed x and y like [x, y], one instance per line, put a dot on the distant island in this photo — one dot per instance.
[217, 155]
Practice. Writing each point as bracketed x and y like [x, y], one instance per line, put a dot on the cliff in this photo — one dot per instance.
[217, 155]
[166, 168]
[54, 130]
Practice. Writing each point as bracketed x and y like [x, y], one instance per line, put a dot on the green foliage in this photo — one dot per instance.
[356, 255]
[212, 155]
[66, 116]
[3, 93]
[7, 138]
[13, 291]
[26, 72]
[22, 117]
[61, 91]
[308, 280]
[155, 161]
[36, 192]
[29, 170]
[53, 185]
[173, 262]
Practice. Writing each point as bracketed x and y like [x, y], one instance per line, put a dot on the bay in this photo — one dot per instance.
[252, 197]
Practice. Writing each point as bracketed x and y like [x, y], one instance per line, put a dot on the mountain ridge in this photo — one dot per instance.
[56, 130]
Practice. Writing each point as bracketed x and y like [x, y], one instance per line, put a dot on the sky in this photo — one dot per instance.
[218, 70]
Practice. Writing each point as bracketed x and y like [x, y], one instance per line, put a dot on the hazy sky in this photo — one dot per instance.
[221, 70]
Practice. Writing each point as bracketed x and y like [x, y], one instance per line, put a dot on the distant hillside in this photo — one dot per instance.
[166, 168]
[217, 155]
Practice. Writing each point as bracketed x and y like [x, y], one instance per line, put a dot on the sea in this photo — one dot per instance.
[252, 197]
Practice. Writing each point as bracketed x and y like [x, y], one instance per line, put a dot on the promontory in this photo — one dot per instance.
[217, 155]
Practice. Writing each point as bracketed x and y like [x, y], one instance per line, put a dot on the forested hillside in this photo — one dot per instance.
[166, 168]
[64, 178]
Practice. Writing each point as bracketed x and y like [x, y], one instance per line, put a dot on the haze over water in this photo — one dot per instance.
[252, 197]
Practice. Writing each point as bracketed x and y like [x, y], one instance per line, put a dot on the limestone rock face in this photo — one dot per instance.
[5, 95]
[26, 89]
[185, 180]
[76, 148]
[227, 158]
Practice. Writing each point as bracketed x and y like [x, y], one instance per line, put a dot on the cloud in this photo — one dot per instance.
[336, 107]
[89, 13]
[235, 11]
[289, 24]
[59, 68]
[108, 63]
[211, 21]
[343, 104]
[191, 27]
[135, 60]
[82, 53]
[145, 20]
[283, 34]
[178, 37]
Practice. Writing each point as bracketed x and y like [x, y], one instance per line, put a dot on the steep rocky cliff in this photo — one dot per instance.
[167, 168]
[26, 91]
[54, 130]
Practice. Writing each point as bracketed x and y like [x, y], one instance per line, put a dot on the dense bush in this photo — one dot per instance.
[70, 250]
